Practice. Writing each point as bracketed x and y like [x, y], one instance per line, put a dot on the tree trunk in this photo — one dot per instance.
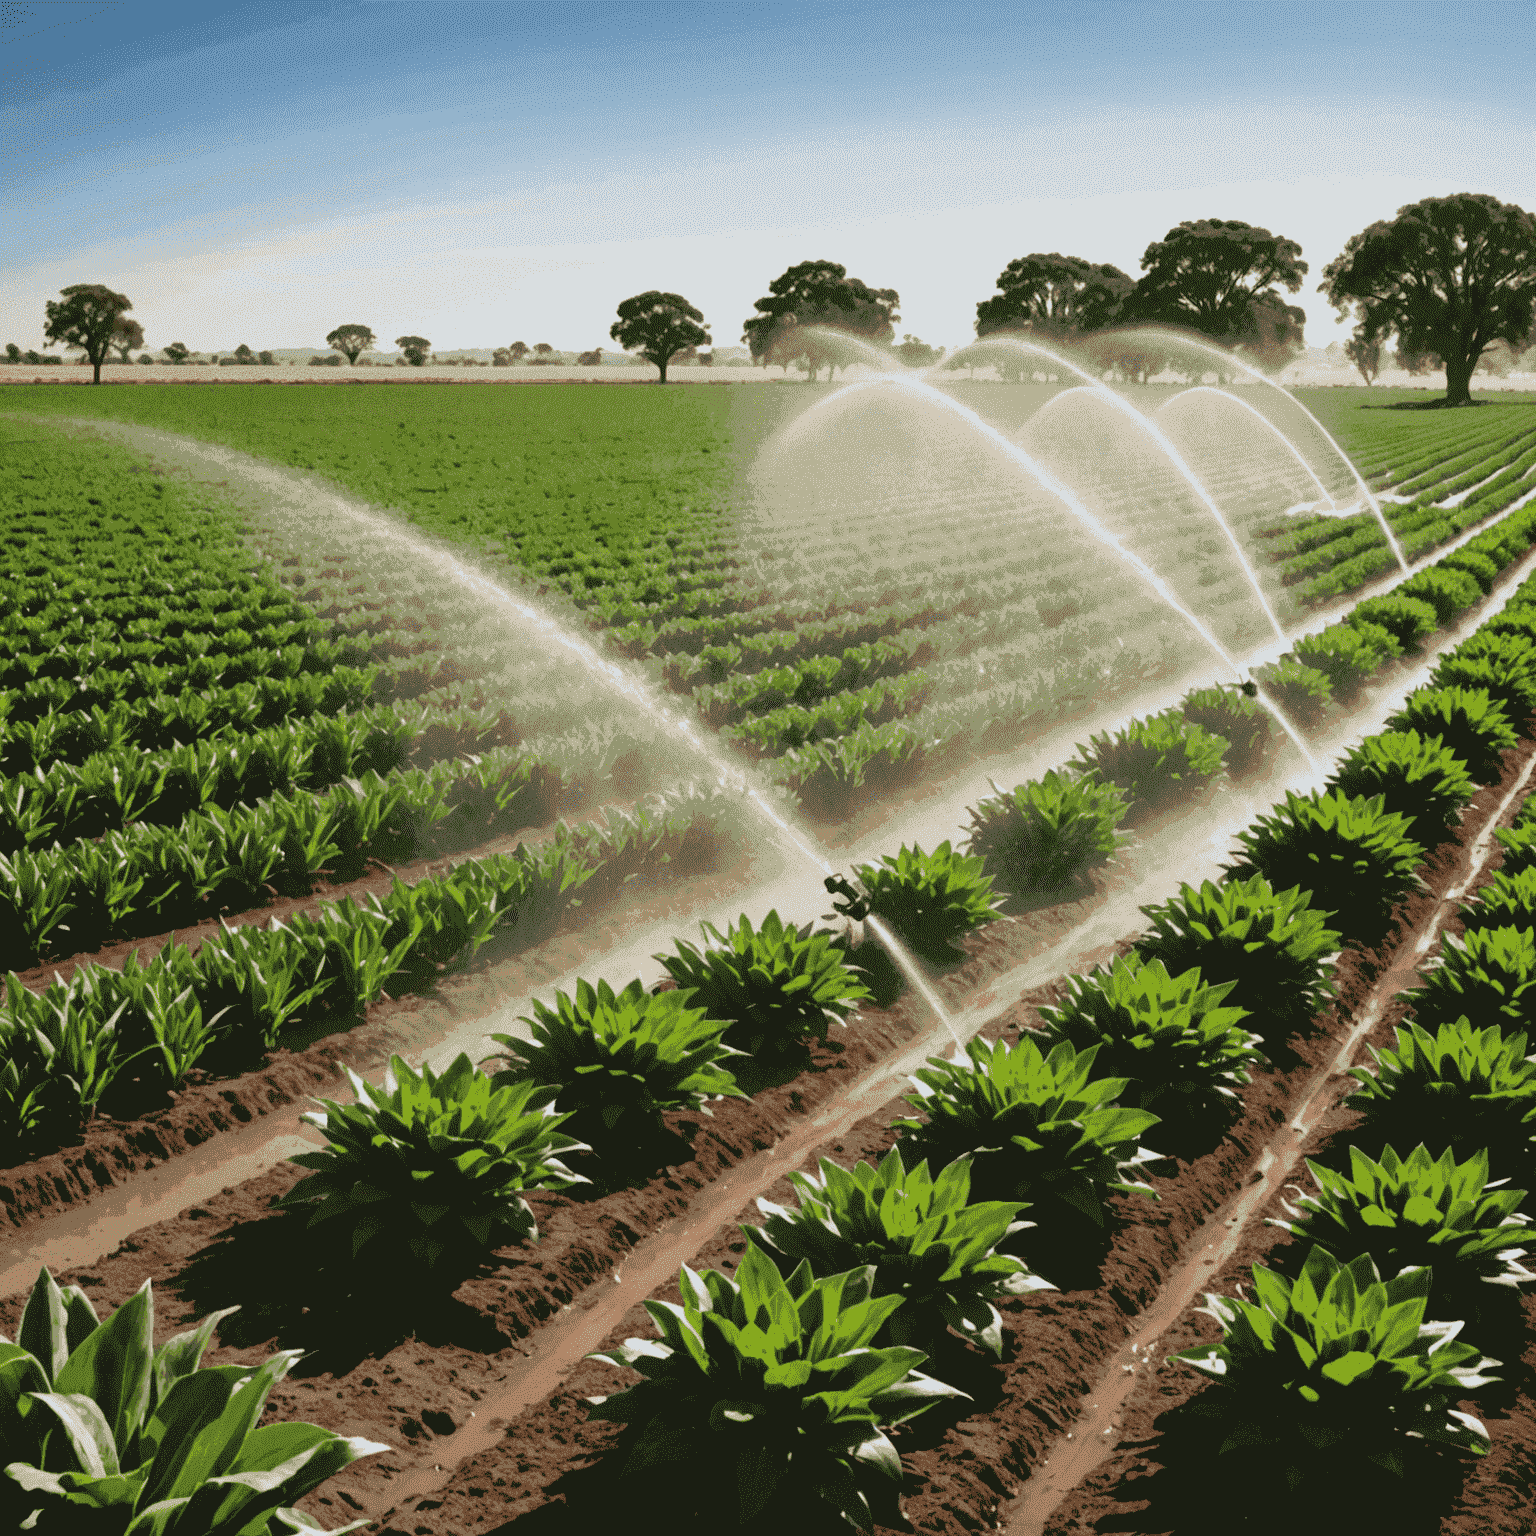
[1458, 381]
[96, 366]
[661, 362]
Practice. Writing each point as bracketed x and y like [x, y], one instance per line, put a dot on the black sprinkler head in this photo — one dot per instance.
[1251, 689]
[855, 904]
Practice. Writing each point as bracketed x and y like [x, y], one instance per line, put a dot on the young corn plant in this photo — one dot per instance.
[1042, 834]
[1352, 854]
[1040, 1127]
[1275, 948]
[928, 1244]
[1336, 1367]
[1467, 720]
[769, 1393]
[1423, 1212]
[1182, 1054]
[929, 898]
[1487, 974]
[434, 1165]
[778, 986]
[619, 1061]
[1417, 777]
[1462, 1087]
[1154, 760]
[105, 1432]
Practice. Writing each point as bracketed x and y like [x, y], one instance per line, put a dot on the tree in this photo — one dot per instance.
[916, 353]
[1052, 296]
[12, 352]
[265, 359]
[543, 348]
[415, 348]
[518, 351]
[352, 341]
[817, 293]
[658, 326]
[1450, 275]
[1223, 278]
[1366, 356]
[177, 352]
[243, 354]
[126, 335]
[85, 315]
[1414, 363]
[590, 359]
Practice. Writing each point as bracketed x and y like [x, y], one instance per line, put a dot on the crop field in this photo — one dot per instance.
[285, 797]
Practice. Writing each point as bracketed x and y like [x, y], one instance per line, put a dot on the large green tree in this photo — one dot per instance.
[415, 348]
[658, 326]
[351, 340]
[1053, 296]
[85, 315]
[818, 294]
[1450, 275]
[126, 335]
[1224, 279]
[1365, 354]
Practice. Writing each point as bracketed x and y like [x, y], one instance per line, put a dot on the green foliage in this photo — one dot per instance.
[768, 1388]
[1352, 854]
[1180, 1051]
[426, 1162]
[1506, 674]
[1487, 974]
[930, 899]
[1479, 567]
[1420, 778]
[104, 1432]
[1301, 692]
[1407, 619]
[1338, 1367]
[1272, 945]
[1506, 901]
[1347, 653]
[1246, 725]
[1467, 720]
[1040, 835]
[1425, 1212]
[619, 1061]
[778, 986]
[1519, 845]
[1447, 592]
[1153, 760]
[927, 1242]
[1462, 1087]
[1042, 1128]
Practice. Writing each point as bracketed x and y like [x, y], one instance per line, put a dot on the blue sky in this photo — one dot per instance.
[483, 172]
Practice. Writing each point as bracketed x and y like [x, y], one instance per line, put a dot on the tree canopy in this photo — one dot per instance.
[351, 340]
[126, 335]
[817, 293]
[1365, 354]
[658, 326]
[415, 348]
[85, 315]
[1223, 278]
[1449, 275]
[177, 351]
[1053, 295]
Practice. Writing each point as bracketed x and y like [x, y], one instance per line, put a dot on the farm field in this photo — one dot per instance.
[312, 738]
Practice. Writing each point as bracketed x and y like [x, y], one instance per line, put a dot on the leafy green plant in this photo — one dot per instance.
[1272, 945]
[426, 1162]
[929, 898]
[1335, 1367]
[1506, 676]
[1040, 835]
[619, 1061]
[1153, 759]
[928, 1244]
[1040, 1127]
[1488, 973]
[1351, 853]
[1506, 901]
[1301, 692]
[1347, 653]
[1467, 720]
[1519, 845]
[1423, 1212]
[1180, 1051]
[104, 1432]
[767, 1388]
[778, 986]
[1243, 722]
[1479, 567]
[1419, 778]
[1407, 619]
[1462, 1087]
[1447, 592]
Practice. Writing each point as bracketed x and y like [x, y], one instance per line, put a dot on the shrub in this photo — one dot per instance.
[96, 1418]
[1040, 1131]
[778, 986]
[1042, 834]
[619, 1061]
[1467, 720]
[1273, 946]
[1301, 692]
[1506, 901]
[1179, 1050]
[1407, 619]
[1347, 654]
[1461, 1087]
[1490, 973]
[1419, 778]
[762, 1388]
[929, 898]
[1337, 1361]
[1353, 855]
[1228, 712]
[426, 1162]
[1153, 759]
[1505, 679]
[927, 1242]
[1447, 592]
[1422, 1213]
[1479, 567]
